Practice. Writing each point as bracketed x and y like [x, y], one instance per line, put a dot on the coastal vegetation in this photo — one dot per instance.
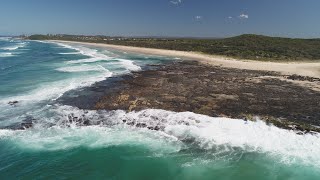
[248, 46]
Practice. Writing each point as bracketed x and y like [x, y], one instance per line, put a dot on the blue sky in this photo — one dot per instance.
[196, 18]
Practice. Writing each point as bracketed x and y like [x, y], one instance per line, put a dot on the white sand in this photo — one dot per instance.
[286, 68]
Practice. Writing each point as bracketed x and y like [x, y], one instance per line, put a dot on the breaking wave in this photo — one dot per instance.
[93, 54]
[166, 131]
[6, 54]
[96, 56]
[129, 65]
[57, 89]
[15, 47]
[83, 68]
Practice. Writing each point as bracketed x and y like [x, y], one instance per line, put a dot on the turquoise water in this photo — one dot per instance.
[190, 146]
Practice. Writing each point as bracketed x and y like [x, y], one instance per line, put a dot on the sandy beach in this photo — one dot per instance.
[286, 68]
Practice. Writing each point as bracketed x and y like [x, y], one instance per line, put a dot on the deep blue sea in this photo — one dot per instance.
[36, 74]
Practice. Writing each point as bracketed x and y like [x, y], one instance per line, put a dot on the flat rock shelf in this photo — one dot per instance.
[217, 91]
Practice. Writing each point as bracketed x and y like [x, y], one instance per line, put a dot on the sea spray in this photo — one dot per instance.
[185, 128]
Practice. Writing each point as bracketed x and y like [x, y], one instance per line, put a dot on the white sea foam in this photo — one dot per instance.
[129, 65]
[221, 134]
[6, 54]
[83, 68]
[55, 90]
[45, 42]
[63, 45]
[5, 133]
[56, 138]
[70, 53]
[15, 47]
[88, 60]
[92, 53]
[5, 38]
[95, 56]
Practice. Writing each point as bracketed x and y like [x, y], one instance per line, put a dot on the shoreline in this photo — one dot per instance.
[286, 100]
[311, 69]
[189, 86]
[186, 85]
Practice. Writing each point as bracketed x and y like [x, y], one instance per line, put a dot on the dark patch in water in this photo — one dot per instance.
[87, 97]
[25, 124]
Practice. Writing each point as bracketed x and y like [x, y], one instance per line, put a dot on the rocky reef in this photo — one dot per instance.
[287, 101]
[216, 91]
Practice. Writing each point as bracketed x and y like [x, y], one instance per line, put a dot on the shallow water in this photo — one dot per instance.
[187, 146]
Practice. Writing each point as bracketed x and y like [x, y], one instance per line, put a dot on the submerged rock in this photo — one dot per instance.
[13, 103]
[25, 124]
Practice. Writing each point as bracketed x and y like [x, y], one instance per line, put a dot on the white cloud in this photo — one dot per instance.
[230, 17]
[176, 2]
[244, 16]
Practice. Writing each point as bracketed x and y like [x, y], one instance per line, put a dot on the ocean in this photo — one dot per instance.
[36, 74]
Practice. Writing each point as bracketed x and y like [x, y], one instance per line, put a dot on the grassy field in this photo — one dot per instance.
[248, 46]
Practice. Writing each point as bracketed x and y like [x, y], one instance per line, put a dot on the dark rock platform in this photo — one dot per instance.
[217, 91]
